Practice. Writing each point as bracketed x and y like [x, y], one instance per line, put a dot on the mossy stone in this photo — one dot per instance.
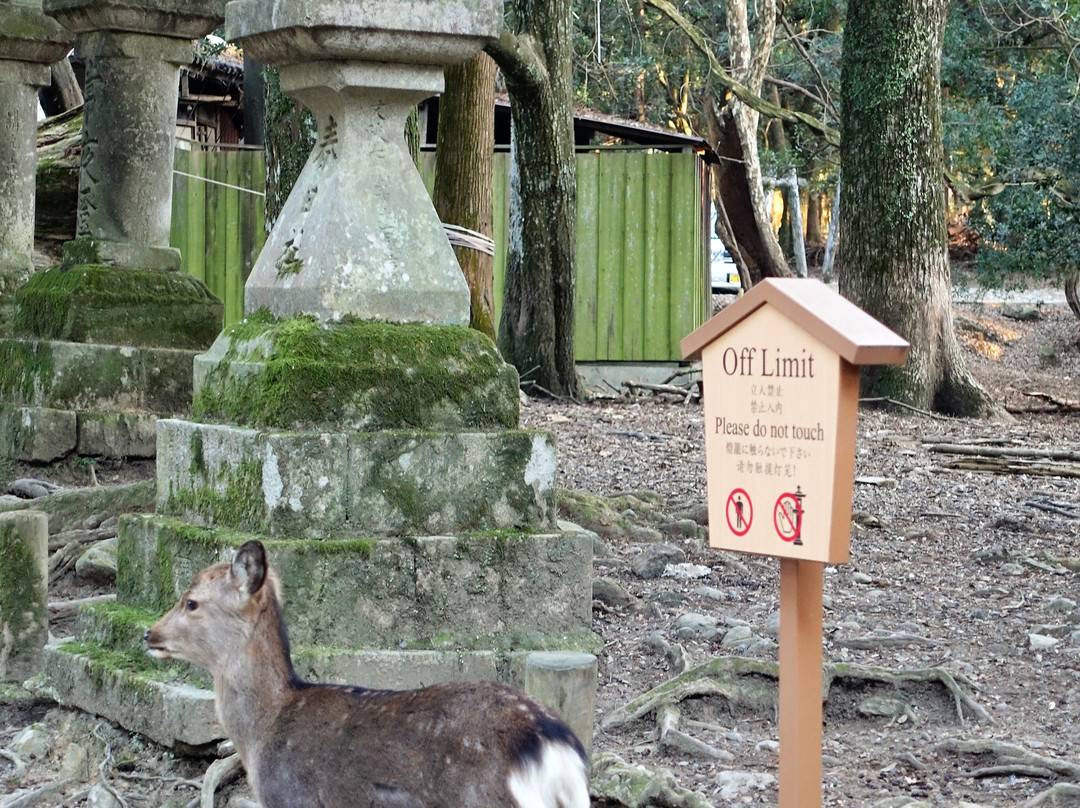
[23, 619]
[297, 373]
[114, 306]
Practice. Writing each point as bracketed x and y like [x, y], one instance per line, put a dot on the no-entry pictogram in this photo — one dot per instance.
[740, 512]
[788, 516]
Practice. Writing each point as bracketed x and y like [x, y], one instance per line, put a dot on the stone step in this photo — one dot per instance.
[89, 377]
[45, 435]
[326, 484]
[486, 590]
[145, 696]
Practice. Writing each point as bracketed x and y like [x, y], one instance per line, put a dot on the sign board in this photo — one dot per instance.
[780, 406]
[780, 373]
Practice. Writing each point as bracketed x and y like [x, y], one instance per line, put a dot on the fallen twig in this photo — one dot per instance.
[57, 606]
[1003, 451]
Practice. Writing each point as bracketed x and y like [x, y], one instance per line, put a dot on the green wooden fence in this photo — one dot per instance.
[641, 285]
[641, 282]
[218, 218]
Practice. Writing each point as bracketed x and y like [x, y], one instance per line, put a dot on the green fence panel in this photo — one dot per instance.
[218, 218]
[641, 280]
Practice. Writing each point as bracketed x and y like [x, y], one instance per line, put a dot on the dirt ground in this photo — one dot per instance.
[954, 632]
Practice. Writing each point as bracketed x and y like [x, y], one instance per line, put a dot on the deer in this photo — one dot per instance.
[308, 745]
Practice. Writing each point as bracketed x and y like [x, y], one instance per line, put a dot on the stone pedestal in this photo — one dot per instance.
[117, 305]
[359, 67]
[385, 256]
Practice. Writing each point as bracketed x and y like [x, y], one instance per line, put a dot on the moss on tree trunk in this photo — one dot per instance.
[893, 260]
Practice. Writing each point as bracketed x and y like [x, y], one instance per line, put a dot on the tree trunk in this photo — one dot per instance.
[536, 330]
[735, 135]
[813, 218]
[754, 238]
[893, 257]
[463, 173]
[63, 92]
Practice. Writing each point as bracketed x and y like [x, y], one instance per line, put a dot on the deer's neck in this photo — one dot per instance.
[255, 682]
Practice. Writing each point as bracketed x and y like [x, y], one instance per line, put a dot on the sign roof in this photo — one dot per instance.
[836, 321]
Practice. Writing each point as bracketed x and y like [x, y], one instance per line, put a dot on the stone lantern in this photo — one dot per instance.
[358, 235]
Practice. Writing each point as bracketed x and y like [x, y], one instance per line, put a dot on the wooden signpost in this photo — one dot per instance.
[780, 369]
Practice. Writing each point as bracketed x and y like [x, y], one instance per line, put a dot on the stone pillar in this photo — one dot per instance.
[18, 128]
[565, 681]
[125, 185]
[24, 577]
[133, 51]
[29, 43]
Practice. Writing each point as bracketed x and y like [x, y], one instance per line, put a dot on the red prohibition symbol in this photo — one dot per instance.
[788, 516]
[739, 512]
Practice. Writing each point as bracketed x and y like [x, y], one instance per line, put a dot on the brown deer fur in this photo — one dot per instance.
[481, 745]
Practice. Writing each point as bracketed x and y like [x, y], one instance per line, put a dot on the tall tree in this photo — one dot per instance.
[536, 329]
[463, 173]
[735, 134]
[893, 257]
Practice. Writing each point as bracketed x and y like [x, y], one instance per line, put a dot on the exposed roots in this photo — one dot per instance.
[752, 684]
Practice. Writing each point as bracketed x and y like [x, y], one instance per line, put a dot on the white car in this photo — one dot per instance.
[725, 272]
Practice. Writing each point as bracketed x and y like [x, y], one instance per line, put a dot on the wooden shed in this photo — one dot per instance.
[642, 264]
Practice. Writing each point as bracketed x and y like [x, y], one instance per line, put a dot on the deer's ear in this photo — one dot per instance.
[249, 567]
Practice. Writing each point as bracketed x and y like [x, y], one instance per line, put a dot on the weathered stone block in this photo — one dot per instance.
[277, 483]
[112, 306]
[325, 485]
[422, 482]
[36, 434]
[117, 434]
[299, 374]
[101, 378]
[78, 675]
[502, 590]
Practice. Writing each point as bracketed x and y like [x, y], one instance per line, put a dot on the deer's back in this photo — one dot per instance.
[450, 745]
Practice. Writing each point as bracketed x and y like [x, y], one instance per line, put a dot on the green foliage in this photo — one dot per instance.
[290, 136]
[1012, 117]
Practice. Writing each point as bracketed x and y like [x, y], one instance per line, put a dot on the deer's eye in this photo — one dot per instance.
[191, 605]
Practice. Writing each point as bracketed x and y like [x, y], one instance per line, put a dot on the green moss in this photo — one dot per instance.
[22, 596]
[198, 460]
[26, 371]
[372, 375]
[81, 301]
[235, 502]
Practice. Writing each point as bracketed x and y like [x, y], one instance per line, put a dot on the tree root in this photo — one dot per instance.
[1015, 760]
[1011, 759]
[751, 683]
[1069, 792]
[615, 781]
[219, 773]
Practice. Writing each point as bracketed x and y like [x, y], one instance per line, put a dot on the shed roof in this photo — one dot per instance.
[837, 322]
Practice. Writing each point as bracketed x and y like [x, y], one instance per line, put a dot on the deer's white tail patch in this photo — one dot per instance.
[558, 779]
